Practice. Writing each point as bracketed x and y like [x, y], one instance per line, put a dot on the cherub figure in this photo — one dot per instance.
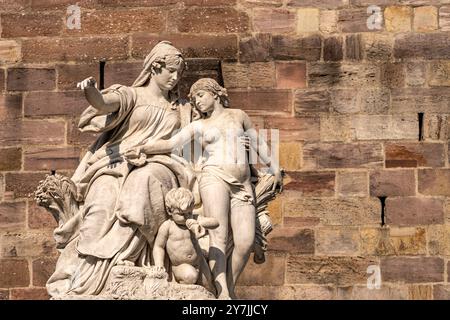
[178, 237]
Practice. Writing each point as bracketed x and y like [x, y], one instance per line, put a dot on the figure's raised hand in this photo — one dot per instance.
[87, 83]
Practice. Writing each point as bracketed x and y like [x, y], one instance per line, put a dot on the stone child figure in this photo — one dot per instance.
[224, 179]
[178, 236]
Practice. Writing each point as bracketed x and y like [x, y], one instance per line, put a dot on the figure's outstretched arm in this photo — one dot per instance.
[104, 103]
[160, 244]
[178, 140]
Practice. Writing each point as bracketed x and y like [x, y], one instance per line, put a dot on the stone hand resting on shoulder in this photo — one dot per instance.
[178, 236]
[224, 181]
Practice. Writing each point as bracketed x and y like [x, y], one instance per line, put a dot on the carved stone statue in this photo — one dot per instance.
[139, 221]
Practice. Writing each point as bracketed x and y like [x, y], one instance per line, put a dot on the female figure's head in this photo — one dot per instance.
[205, 94]
[164, 66]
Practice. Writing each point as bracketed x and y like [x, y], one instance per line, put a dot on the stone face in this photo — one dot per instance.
[353, 20]
[386, 292]
[436, 127]
[327, 270]
[422, 45]
[414, 155]
[425, 19]
[307, 20]
[444, 18]
[434, 182]
[354, 47]
[43, 268]
[269, 273]
[378, 47]
[398, 18]
[29, 294]
[306, 292]
[415, 74]
[385, 127]
[312, 183]
[37, 132]
[27, 244]
[393, 75]
[335, 129]
[353, 184]
[292, 240]
[255, 75]
[9, 51]
[342, 75]
[12, 215]
[10, 159]
[414, 211]
[75, 49]
[39, 217]
[311, 101]
[192, 46]
[389, 183]
[256, 48]
[273, 20]
[27, 79]
[363, 100]
[328, 21]
[338, 155]
[333, 49]
[39, 158]
[441, 292]
[260, 99]
[412, 270]
[296, 48]
[393, 241]
[290, 156]
[295, 129]
[290, 75]
[22, 184]
[335, 212]
[439, 74]
[337, 241]
[198, 19]
[415, 100]
[14, 273]
[40, 104]
[439, 240]
[420, 292]
[15, 25]
[70, 74]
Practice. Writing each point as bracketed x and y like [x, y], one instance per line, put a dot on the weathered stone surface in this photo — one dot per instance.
[352, 184]
[415, 100]
[414, 155]
[261, 99]
[70, 74]
[398, 18]
[306, 292]
[290, 156]
[39, 217]
[391, 183]
[44, 104]
[43, 268]
[29, 79]
[29, 294]
[27, 244]
[422, 45]
[4, 294]
[393, 75]
[10, 159]
[311, 101]
[436, 127]
[337, 241]
[14, 273]
[296, 48]
[425, 19]
[412, 270]
[39, 132]
[342, 75]
[335, 129]
[255, 48]
[316, 3]
[415, 74]
[12, 215]
[434, 182]
[363, 100]
[9, 51]
[22, 184]
[269, 273]
[48, 158]
[333, 49]
[254, 75]
[353, 20]
[378, 47]
[336, 212]
[273, 20]
[354, 49]
[292, 240]
[385, 127]
[300, 222]
[85, 49]
[290, 75]
[15, 25]
[420, 292]
[393, 241]
[307, 20]
[386, 292]
[444, 18]
[327, 270]
[192, 46]
[438, 74]
[309, 184]
[441, 292]
[338, 155]
[439, 240]
[328, 21]
[295, 129]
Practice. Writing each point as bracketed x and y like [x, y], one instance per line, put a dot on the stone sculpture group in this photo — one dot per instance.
[141, 218]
